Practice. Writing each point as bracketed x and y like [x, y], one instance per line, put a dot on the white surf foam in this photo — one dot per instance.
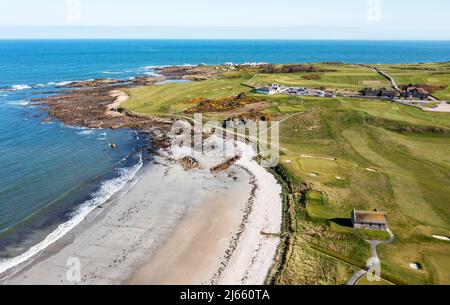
[151, 74]
[106, 191]
[113, 72]
[154, 67]
[19, 103]
[65, 83]
[21, 87]
[86, 132]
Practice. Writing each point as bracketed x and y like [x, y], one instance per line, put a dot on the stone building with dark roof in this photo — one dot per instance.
[370, 220]
[415, 92]
[383, 93]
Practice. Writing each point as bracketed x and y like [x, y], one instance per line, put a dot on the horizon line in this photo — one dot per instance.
[237, 38]
[285, 33]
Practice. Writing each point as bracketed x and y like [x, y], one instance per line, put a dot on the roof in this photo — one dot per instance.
[370, 217]
[420, 90]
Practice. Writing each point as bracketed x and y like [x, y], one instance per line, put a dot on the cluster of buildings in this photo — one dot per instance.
[246, 64]
[382, 93]
[272, 89]
[410, 92]
[415, 92]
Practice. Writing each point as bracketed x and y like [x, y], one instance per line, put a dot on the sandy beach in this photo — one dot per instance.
[172, 226]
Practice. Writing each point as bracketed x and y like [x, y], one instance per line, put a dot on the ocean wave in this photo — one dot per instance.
[166, 66]
[86, 132]
[63, 83]
[151, 74]
[106, 191]
[113, 72]
[123, 71]
[153, 67]
[19, 103]
[21, 87]
[77, 127]
[38, 86]
[60, 84]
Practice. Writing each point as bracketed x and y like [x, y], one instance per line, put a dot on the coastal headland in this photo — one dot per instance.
[347, 141]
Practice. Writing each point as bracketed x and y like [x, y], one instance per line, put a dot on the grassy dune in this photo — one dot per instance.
[353, 153]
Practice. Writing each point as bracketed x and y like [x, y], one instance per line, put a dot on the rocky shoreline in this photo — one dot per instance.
[88, 103]
[88, 106]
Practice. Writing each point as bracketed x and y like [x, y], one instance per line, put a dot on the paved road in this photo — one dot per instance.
[356, 277]
[374, 260]
[442, 106]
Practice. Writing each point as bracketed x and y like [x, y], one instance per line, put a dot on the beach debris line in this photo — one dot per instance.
[189, 163]
[319, 157]
[225, 165]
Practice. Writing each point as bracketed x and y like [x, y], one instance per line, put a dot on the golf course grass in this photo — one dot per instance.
[351, 153]
[174, 98]
[351, 77]
[437, 74]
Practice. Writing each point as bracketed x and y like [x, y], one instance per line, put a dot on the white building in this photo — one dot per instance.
[266, 90]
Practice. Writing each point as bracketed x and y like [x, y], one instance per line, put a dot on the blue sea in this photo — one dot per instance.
[51, 174]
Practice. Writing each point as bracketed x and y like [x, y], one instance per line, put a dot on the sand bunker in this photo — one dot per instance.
[314, 175]
[120, 98]
[441, 237]
[371, 170]
[415, 266]
[318, 157]
[372, 82]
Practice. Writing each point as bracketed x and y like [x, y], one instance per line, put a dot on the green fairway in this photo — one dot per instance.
[174, 98]
[408, 176]
[349, 77]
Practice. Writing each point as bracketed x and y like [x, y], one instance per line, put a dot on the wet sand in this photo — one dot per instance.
[171, 226]
[194, 252]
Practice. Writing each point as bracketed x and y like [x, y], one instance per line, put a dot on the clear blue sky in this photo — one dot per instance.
[389, 19]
